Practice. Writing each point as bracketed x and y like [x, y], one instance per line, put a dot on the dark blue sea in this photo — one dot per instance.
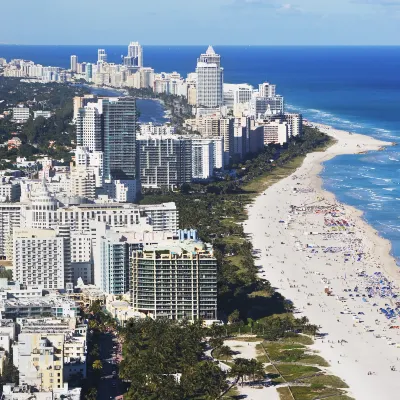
[351, 88]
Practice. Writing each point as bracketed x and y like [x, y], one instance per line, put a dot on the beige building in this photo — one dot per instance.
[39, 359]
[83, 182]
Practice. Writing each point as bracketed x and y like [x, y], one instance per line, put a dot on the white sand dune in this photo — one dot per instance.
[301, 274]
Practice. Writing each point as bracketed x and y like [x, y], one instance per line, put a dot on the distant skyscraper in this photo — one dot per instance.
[135, 53]
[267, 90]
[119, 138]
[101, 55]
[74, 63]
[209, 80]
[89, 72]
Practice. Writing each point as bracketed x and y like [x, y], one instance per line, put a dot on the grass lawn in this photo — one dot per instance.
[284, 393]
[246, 338]
[307, 393]
[274, 375]
[286, 352]
[327, 380]
[314, 360]
[261, 183]
[292, 372]
[233, 239]
[306, 340]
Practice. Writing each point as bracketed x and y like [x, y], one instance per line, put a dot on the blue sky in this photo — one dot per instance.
[256, 22]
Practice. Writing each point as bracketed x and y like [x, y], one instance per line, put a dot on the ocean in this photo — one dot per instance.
[351, 88]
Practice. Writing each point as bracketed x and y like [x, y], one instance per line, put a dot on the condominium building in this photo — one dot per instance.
[241, 138]
[92, 161]
[165, 160]
[101, 56]
[39, 257]
[175, 280]
[237, 94]
[74, 63]
[202, 158]
[10, 191]
[218, 127]
[112, 253]
[10, 218]
[83, 182]
[275, 132]
[295, 123]
[89, 127]
[266, 89]
[261, 106]
[135, 54]
[82, 101]
[209, 80]
[119, 135]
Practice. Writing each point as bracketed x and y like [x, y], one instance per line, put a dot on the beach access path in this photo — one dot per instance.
[311, 244]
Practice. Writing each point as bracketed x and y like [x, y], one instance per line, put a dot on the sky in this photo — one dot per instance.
[195, 22]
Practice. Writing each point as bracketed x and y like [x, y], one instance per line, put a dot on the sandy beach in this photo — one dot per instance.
[339, 273]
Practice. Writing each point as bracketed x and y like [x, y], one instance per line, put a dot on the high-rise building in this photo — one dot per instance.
[135, 54]
[295, 123]
[275, 132]
[89, 72]
[80, 102]
[89, 127]
[267, 105]
[266, 90]
[175, 280]
[209, 80]
[165, 160]
[119, 138]
[101, 56]
[202, 158]
[74, 63]
[39, 257]
[83, 182]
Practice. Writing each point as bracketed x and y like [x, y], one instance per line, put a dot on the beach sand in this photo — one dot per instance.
[344, 256]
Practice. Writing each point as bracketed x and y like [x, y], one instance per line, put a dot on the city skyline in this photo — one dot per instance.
[303, 22]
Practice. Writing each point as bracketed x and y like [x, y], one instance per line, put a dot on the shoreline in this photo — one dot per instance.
[323, 245]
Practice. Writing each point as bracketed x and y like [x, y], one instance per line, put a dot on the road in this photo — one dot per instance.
[110, 385]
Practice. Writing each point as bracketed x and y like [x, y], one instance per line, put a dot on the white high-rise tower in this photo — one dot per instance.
[135, 52]
[101, 55]
[210, 77]
[74, 63]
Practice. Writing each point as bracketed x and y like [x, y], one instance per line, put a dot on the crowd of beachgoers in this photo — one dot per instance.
[338, 272]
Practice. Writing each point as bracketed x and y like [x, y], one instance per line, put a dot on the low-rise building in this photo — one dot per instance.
[26, 392]
[35, 307]
[39, 359]
[20, 114]
[43, 114]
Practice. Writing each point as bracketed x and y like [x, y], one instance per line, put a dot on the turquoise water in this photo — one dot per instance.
[350, 88]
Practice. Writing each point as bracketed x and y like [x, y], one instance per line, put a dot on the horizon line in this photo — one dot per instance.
[201, 45]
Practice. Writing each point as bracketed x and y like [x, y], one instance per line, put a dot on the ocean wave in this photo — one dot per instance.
[395, 228]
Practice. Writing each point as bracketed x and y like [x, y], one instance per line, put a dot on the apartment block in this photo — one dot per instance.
[175, 280]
